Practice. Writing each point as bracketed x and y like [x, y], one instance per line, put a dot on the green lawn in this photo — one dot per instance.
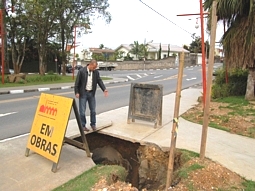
[36, 79]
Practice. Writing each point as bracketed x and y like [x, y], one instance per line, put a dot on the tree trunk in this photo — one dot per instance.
[41, 65]
[250, 89]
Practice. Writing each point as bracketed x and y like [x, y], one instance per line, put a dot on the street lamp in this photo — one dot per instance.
[2, 33]
[197, 25]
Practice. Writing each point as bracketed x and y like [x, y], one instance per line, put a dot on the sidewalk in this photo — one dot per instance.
[22, 173]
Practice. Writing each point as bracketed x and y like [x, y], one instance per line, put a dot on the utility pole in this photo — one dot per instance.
[74, 50]
[209, 81]
[203, 51]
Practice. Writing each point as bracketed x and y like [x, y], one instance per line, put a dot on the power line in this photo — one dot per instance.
[165, 17]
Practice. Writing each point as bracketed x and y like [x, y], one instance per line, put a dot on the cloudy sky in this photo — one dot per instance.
[133, 21]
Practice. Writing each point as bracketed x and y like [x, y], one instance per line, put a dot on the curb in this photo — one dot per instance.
[48, 89]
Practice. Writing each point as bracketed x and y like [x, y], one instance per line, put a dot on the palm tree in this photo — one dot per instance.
[144, 50]
[135, 49]
[238, 41]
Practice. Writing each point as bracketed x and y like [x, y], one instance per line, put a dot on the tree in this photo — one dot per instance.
[128, 57]
[98, 56]
[79, 14]
[135, 49]
[195, 45]
[41, 22]
[101, 46]
[186, 47]
[143, 50]
[118, 54]
[42, 16]
[159, 52]
[20, 36]
[238, 41]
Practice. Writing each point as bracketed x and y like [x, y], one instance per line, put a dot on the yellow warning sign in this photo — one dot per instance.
[49, 126]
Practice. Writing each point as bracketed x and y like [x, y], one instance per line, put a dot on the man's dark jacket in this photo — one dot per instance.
[81, 81]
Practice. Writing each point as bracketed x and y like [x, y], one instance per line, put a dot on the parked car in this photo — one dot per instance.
[11, 71]
[69, 68]
[78, 67]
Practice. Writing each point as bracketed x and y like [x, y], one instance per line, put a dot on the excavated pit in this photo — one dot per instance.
[147, 164]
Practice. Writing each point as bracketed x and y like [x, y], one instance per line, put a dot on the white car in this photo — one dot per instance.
[11, 71]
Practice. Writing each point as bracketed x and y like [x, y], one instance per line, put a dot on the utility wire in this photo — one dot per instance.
[165, 17]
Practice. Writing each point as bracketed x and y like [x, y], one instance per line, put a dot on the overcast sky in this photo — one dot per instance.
[134, 21]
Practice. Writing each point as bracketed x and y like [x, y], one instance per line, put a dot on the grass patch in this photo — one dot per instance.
[221, 118]
[216, 126]
[184, 172]
[249, 185]
[88, 179]
[251, 131]
[233, 100]
[187, 155]
[36, 79]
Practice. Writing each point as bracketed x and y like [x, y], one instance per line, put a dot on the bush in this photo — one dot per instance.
[45, 78]
[236, 86]
[50, 72]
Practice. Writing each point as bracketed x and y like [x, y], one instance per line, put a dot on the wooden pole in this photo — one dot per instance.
[209, 81]
[175, 124]
[226, 66]
[203, 50]
[2, 43]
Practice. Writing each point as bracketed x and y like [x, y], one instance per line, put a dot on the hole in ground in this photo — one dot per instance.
[147, 164]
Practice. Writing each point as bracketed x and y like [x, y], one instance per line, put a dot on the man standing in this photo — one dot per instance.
[85, 89]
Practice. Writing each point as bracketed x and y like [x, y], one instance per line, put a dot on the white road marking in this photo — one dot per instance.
[191, 79]
[43, 89]
[16, 91]
[158, 76]
[130, 78]
[5, 114]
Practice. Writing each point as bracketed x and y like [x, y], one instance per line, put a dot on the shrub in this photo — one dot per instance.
[45, 78]
[236, 86]
[50, 72]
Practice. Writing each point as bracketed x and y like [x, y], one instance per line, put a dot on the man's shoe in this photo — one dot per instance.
[94, 128]
[85, 129]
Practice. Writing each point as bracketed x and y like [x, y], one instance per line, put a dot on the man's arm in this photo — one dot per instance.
[100, 82]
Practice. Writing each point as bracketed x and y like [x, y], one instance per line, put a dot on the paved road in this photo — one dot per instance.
[17, 111]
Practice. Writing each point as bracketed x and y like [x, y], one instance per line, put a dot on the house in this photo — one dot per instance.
[105, 52]
[153, 50]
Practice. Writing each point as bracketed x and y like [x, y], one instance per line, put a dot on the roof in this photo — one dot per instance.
[164, 47]
[127, 46]
[99, 50]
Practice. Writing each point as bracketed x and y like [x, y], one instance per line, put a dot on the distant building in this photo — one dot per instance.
[87, 53]
[153, 50]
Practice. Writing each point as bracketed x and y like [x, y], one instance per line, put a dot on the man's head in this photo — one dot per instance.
[92, 65]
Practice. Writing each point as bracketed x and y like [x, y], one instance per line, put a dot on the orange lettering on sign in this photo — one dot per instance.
[48, 110]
